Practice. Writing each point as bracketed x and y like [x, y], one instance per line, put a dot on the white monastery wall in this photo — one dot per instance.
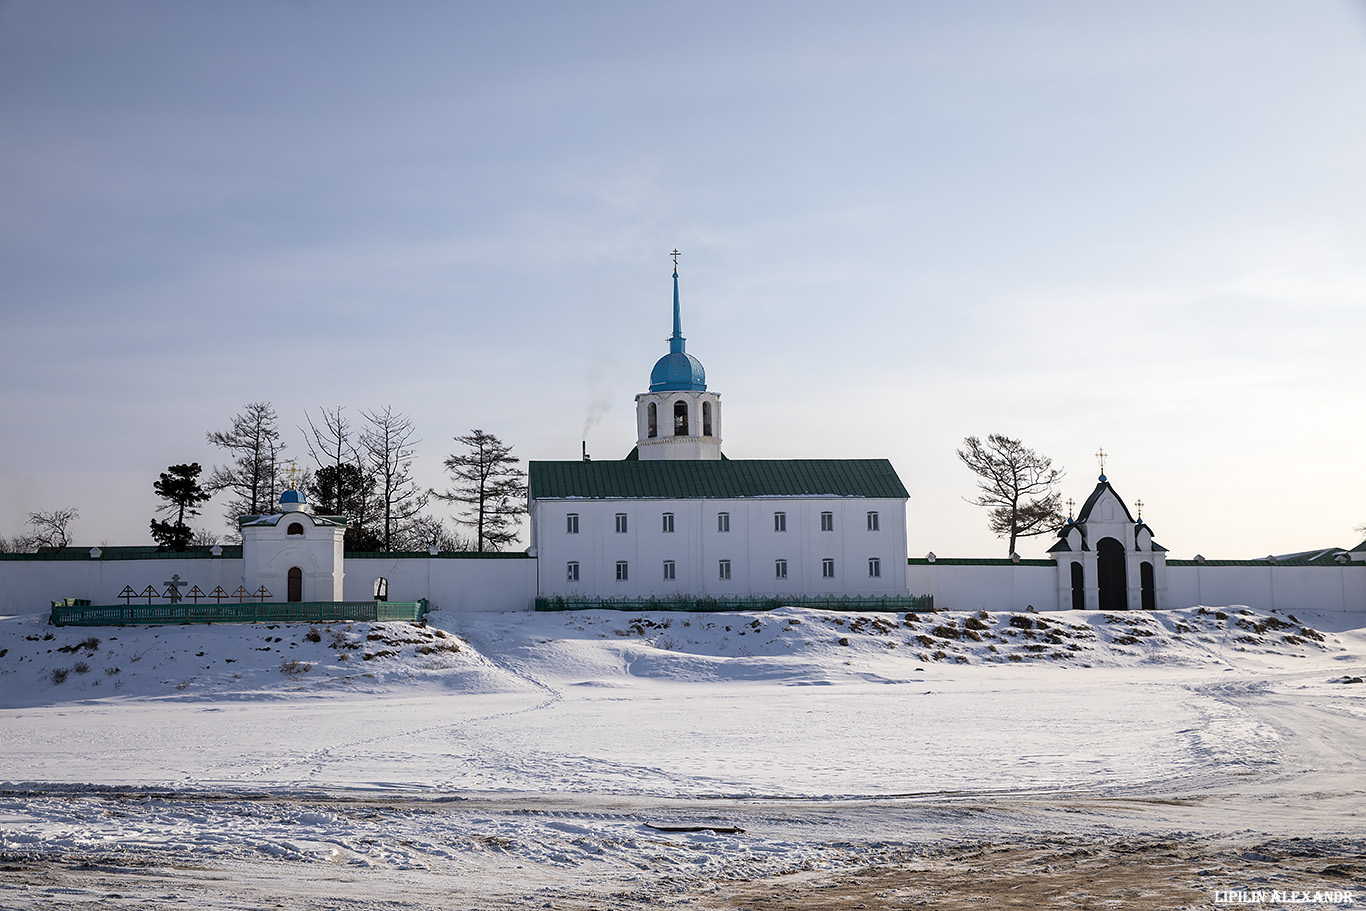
[1266, 586]
[454, 582]
[986, 586]
[29, 585]
[449, 582]
[506, 582]
[1001, 585]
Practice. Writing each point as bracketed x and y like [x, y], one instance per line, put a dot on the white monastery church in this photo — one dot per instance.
[676, 519]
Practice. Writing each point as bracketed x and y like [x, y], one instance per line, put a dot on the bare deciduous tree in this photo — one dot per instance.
[1016, 485]
[428, 531]
[16, 544]
[342, 485]
[490, 486]
[387, 446]
[51, 529]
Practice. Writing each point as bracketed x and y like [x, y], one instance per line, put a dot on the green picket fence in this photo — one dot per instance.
[71, 612]
[753, 603]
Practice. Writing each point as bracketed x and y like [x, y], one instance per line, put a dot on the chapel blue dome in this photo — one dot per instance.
[291, 496]
[678, 370]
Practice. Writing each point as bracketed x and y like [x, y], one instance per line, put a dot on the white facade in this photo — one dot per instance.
[1107, 559]
[737, 547]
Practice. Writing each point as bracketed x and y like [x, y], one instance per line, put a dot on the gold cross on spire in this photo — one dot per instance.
[1100, 457]
[1138, 504]
[1070, 503]
[675, 254]
[293, 470]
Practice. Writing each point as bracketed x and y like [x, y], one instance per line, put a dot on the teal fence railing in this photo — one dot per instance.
[67, 613]
[758, 603]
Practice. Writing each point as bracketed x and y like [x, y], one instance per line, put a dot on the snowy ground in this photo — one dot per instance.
[789, 759]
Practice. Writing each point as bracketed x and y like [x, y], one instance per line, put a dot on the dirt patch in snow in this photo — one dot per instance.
[1071, 873]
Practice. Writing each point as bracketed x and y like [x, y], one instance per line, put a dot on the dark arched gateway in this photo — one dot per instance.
[1110, 576]
[1145, 584]
[296, 584]
[1078, 587]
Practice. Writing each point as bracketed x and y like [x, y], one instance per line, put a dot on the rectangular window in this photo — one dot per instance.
[875, 567]
[827, 569]
[668, 569]
[572, 571]
[622, 572]
[723, 521]
[571, 524]
[780, 521]
[724, 567]
[827, 521]
[668, 523]
[780, 569]
[621, 523]
[872, 521]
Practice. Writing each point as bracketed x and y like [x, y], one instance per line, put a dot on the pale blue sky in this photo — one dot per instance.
[1134, 226]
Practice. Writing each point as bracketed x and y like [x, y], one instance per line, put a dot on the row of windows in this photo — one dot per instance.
[723, 569]
[722, 522]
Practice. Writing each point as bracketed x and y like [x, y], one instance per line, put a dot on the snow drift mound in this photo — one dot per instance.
[509, 652]
[796, 645]
[44, 665]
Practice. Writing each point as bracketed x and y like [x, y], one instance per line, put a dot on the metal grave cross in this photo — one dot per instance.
[173, 587]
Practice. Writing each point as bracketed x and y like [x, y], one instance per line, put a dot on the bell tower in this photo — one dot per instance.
[678, 418]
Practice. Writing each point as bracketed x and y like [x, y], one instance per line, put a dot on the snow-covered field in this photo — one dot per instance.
[778, 759]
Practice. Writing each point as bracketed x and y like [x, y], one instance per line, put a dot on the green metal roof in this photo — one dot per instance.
[123, 552]
[715, 480]
[976, 561]
[1264, 562]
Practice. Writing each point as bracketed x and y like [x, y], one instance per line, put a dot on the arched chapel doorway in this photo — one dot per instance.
[1145, 586]
[296, 584]
[1110, 576]
[1078, 587]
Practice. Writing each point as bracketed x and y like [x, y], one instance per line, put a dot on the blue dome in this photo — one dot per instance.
[678, 370]
[291, 496]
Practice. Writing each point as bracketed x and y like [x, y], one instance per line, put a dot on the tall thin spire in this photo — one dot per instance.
[677, 343]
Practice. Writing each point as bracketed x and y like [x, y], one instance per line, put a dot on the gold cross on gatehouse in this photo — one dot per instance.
[1100, 456]
[293, 470]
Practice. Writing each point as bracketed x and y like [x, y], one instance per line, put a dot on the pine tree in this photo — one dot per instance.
[491, 487]
[179, 487]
